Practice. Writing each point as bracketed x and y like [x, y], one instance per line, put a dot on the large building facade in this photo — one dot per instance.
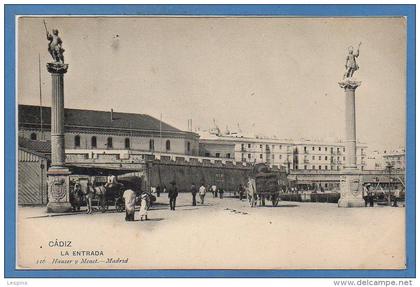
[104, 131]
[294, 155]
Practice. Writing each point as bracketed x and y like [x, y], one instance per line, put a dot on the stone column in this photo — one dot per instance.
[350, 184]
[58, 174]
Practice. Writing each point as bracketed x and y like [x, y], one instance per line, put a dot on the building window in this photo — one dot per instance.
[260, 145]
[344, 149]
[109, 142]
[188, 146]
[249, 155]
[338, 149]
[217, 154]
[168, 145]
[326, 149]
[326, 167]
[272, 156]
[93, 142]
[313, 148]
[280, 156]
[228, 155]
[313, 167]
[33, 136]
[77, 141]
[151, 144]
[279, 146]
[326, 157]
[304, 148]
[304, 166]
[127, 143]
[260, 155]
[319, 148]
[319, 167]
[319, 158]
[249, 145]
[313, 157]
[207, 154]
[344, 158]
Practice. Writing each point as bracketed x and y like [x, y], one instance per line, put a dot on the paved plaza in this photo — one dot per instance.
[222, 233]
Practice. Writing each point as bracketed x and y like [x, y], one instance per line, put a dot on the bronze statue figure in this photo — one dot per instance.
[55, 45]
[351, 65]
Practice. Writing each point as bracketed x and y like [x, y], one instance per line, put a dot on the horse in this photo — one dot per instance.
[95, 192]
[76, 196]
[251, 192]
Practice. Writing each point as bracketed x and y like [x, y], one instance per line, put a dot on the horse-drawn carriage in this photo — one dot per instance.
[263, 184]
[100, 192]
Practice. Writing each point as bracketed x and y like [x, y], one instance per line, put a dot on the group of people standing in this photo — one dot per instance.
[130, 199]
[201, 193]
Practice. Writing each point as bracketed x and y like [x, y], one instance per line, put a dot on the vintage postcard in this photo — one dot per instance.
[211, 142]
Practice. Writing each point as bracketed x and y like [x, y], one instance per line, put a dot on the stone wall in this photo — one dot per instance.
[227, 175]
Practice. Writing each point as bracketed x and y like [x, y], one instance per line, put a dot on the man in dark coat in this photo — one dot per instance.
[194, 193]
[172, 194]
[158, 191]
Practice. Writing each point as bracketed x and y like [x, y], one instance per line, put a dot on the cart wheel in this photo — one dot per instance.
[119, 207]
[104, 207]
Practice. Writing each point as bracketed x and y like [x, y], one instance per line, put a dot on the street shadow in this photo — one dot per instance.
[278, 206]
[160, 203]
[149, 219]
[195, 208]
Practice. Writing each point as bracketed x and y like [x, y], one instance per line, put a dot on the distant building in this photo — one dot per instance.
[103, 131]
[292, 154]
[379, 160]
[395, 159]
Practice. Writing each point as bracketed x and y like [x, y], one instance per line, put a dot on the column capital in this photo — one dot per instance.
[57, 68]
[349, 84]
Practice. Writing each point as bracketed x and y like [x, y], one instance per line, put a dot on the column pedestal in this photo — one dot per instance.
[58, 190]
[58, 174]
[351, 188]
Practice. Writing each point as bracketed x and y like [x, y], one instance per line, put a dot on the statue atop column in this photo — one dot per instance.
[55, 45]
[351, 64]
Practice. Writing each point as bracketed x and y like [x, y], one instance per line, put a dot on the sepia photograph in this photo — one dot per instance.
[211, 142]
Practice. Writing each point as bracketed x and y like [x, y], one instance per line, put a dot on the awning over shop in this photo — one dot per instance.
[94, 170]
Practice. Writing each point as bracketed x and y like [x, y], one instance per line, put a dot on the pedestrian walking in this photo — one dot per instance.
[396, 196]
[144, 205]
[202, 192]
[221, 191]
[193, 193]
[158, 191]
[172, 194]
[371, 203]
[241, 190]
[214, 190]
[130, 203]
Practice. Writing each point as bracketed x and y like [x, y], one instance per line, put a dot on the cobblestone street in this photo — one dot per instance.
[223, 233]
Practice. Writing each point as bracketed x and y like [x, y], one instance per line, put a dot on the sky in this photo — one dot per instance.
[274, 76]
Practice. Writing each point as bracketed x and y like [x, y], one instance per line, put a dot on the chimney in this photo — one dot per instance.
[112, 115]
